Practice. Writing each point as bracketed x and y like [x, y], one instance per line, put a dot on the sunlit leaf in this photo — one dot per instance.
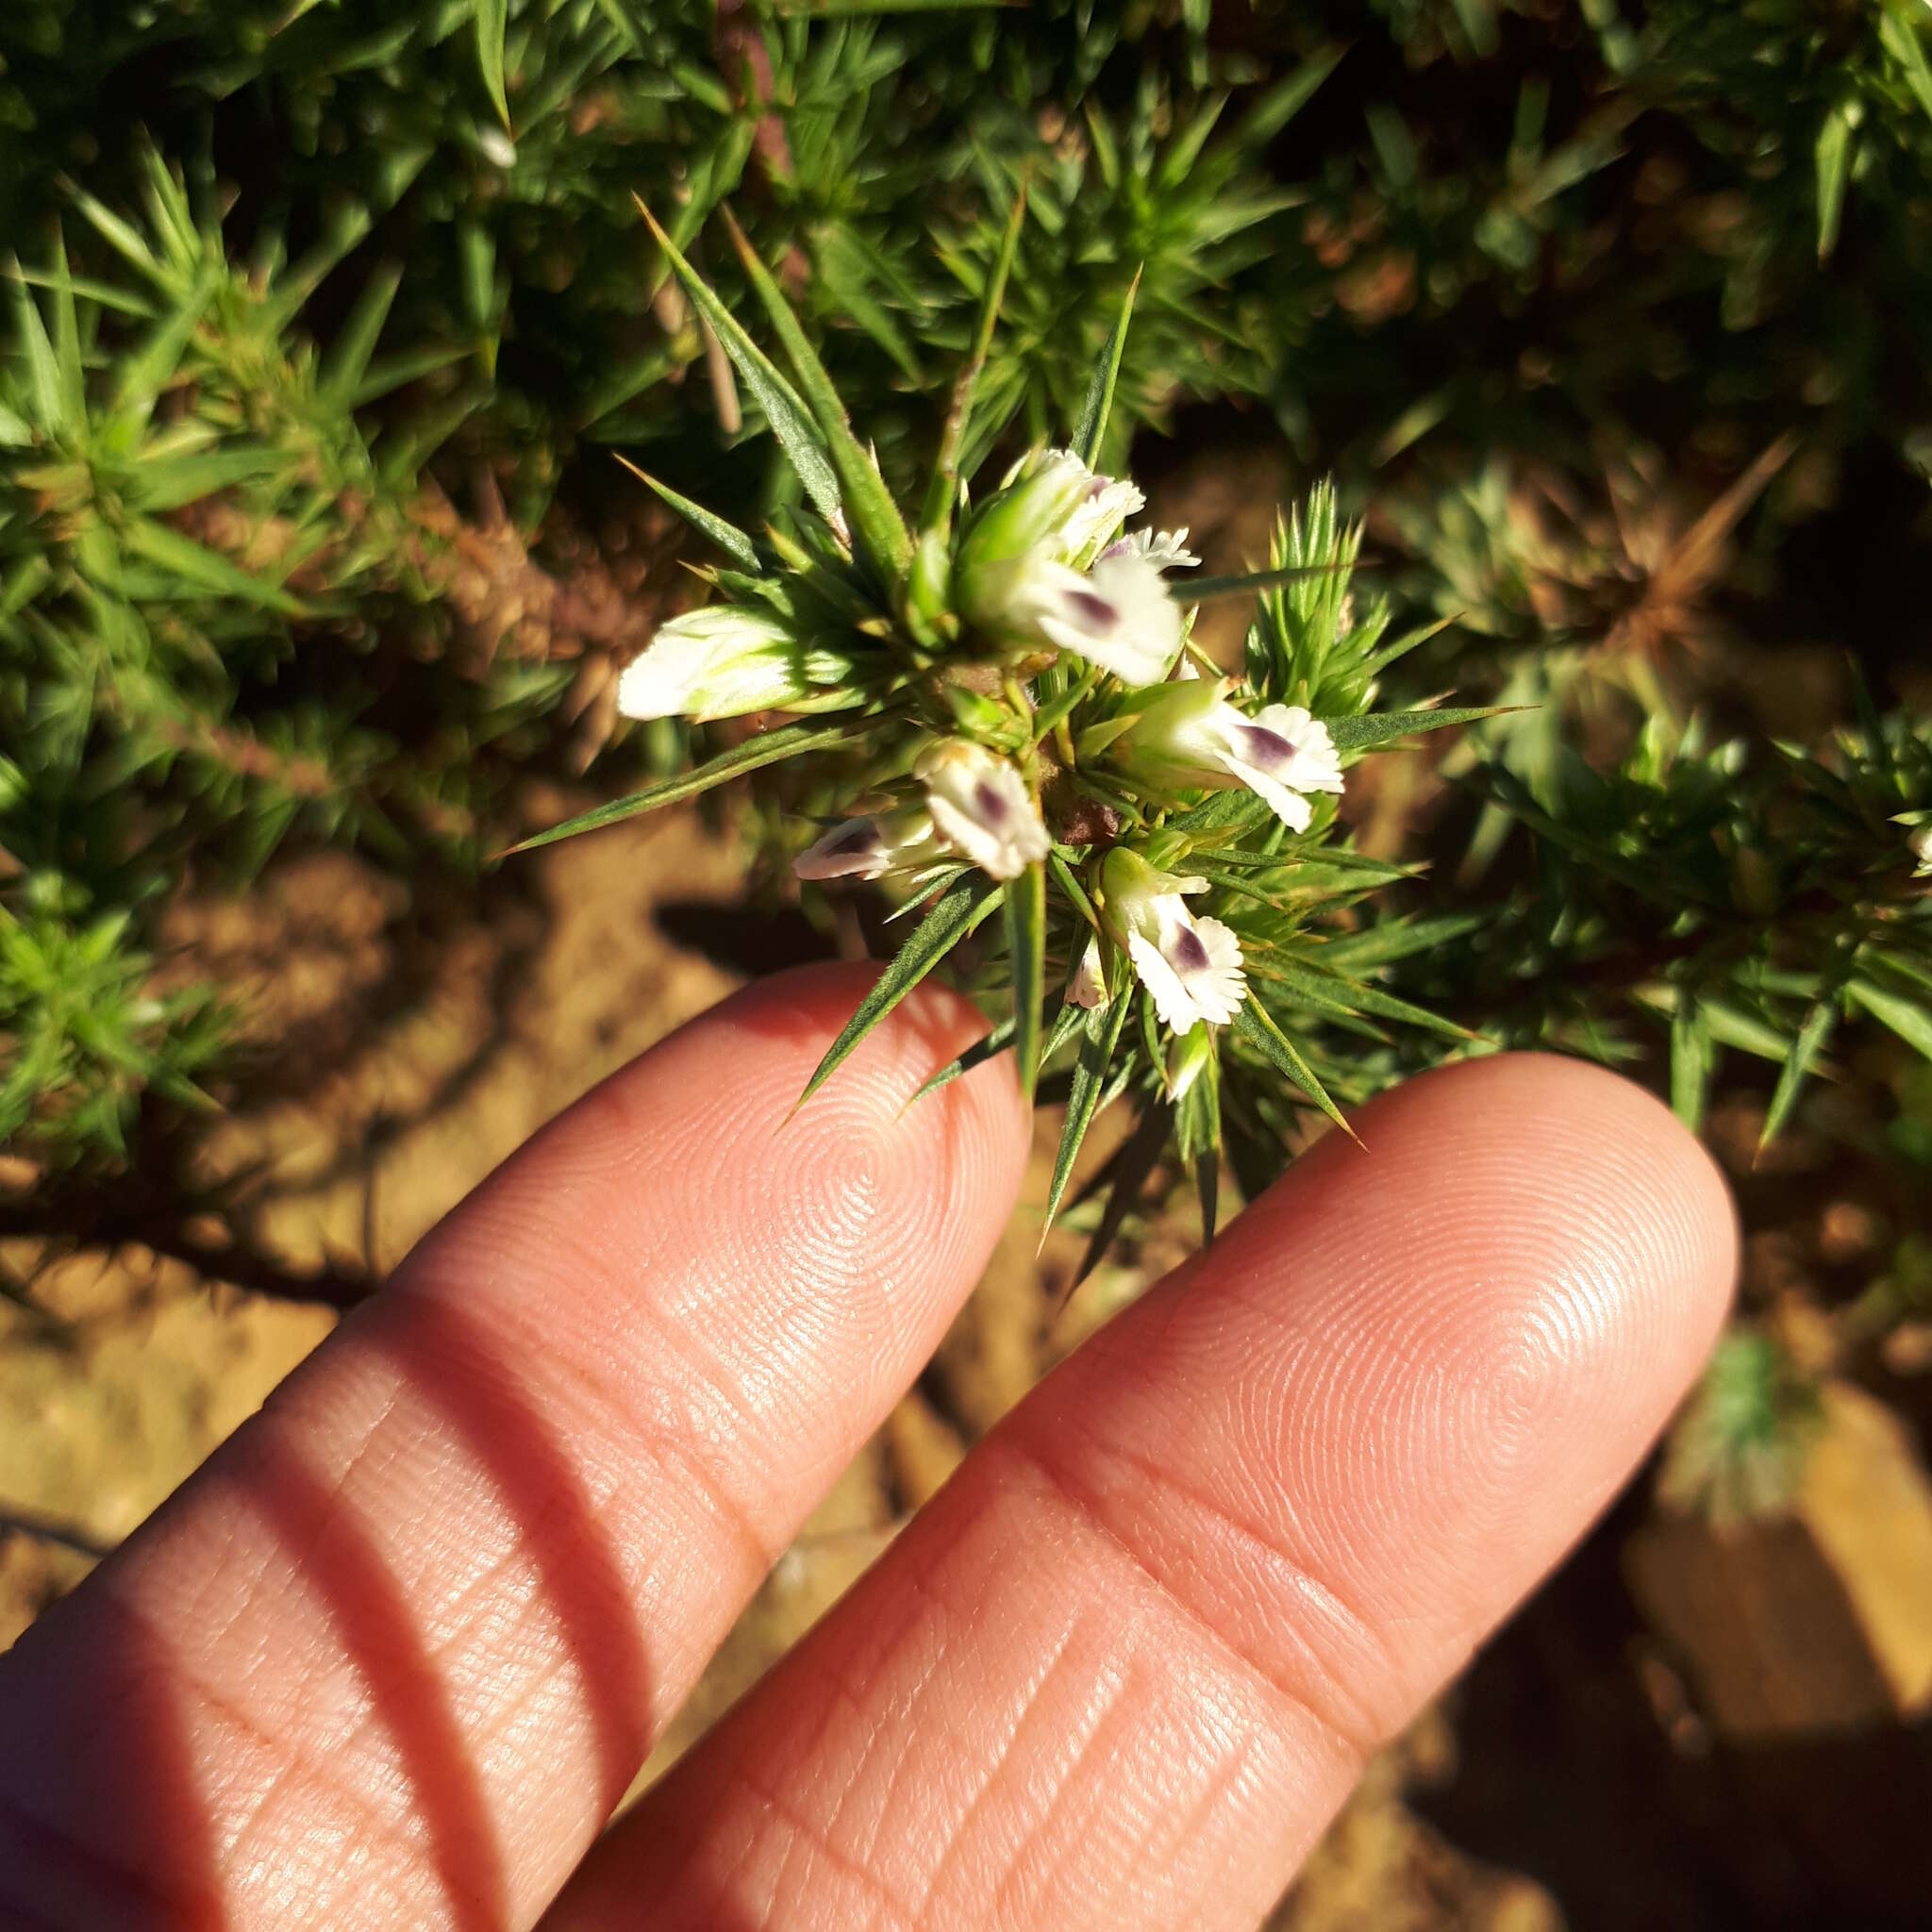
[784, 409]
[874, 517]
[767, 748]
[1100, 1034]
[1026, 908]
[959, 909]
[492, 25]
[1090, 431]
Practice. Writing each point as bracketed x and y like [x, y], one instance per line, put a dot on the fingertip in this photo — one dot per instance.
[1544, 1158]
[1425, 1362]
[978, 1124]
[1237, 1539]
[714, 1126]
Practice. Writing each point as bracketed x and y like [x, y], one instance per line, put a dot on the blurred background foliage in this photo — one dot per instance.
[1614, 319]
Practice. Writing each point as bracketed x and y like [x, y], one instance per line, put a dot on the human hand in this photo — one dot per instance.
[392, 1657]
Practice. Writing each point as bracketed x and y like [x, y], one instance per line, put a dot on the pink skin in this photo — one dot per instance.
[394, 1656]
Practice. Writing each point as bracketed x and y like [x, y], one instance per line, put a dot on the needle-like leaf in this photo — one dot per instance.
[874, 517]
[1090, 431]
[768, 748]
[961, 907]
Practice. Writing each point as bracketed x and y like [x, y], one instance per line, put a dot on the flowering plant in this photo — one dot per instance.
[996, 706]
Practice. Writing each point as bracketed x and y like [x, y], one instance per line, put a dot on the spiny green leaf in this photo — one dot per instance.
[1353, 996]
[784, 408]
[619, 16]
[296, 284]
[1900, 36]
[153, 366]
[1185, 148]
[1101, 1031]
[1693, 1057]
[1252, 1022]
[186, 558]
[126, 240]
[67, 335]
[1375, 728]
[493, 26]
[1074, 891]
[166, 484]
[1812, 1035]
[945, 470]
[1286, 99]
[1910, 1020]
[1090, 431]
[1834, 167]
[1231, 811]
[1208, 1183]
[841, 10]
[1128, 1171]
[959, 909]
[874, 517]
[768, 748]
[1197, 1138]
[1248, 583]
[1025, 902]
[843, 273]
[1731, 1026]
[404, 453]
[991, 1047]
[388, 374]
[44, 373]
[1386, 654]
[727, 537]
[1066, 1023]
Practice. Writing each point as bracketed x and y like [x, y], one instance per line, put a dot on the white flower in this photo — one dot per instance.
[724, 661]
[1117, 616]
[1096, 517]
[1190, 734]
[497, 148]
[869, 848]
[1026, 515]
[1192, 967]
[1921, 842]
[1052, 500]
[1088, 986]
[1051, 509]
[981, 807]
[1163, 549]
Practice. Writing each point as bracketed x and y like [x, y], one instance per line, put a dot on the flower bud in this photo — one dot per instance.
[1087, 987]
[1039, 495]
[724, 660]
[869, 848]
[930, 590]
[1186, 1060]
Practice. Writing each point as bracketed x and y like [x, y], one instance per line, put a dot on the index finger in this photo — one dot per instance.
[1120, 1672]
[394, 1656]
